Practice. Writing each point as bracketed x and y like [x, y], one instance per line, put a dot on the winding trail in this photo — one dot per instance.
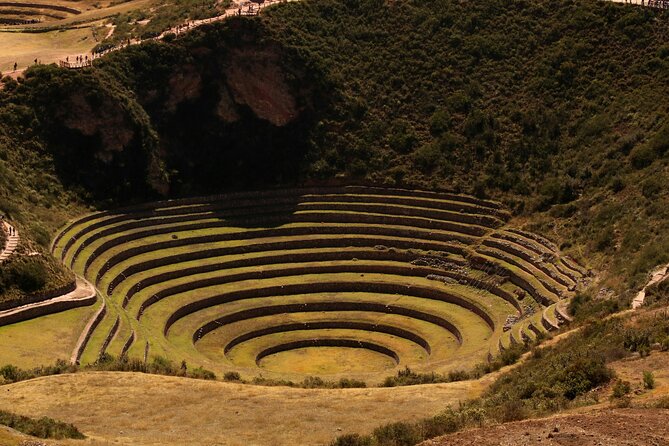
[657, 4]
[656, 276]
[243, 8]
[84, 294]
[11, 242]
[85, 59]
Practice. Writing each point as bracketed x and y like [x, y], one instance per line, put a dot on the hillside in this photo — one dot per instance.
[562, 125]
[525, 142]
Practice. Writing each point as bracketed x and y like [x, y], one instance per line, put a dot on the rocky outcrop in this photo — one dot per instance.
[256, 80]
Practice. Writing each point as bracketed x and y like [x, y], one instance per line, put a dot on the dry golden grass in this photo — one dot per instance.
[139, 409]
[24, 48]
[9, 437]
[632, 370]
[92, 11]
[74, 36]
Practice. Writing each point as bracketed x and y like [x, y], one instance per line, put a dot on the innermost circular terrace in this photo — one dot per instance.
[327, 360]
[293, 282]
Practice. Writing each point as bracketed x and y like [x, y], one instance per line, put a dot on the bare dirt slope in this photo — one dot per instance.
[610, 427]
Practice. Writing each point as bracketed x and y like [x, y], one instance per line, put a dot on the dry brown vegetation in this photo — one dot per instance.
[124, 408]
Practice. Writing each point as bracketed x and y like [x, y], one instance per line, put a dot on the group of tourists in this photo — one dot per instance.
[181, 28]
[660, 4]
[79, 62]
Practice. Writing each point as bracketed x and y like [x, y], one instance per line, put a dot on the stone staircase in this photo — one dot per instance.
[11, 243]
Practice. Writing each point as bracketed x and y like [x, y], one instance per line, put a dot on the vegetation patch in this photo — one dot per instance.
[548, 380]
[42, 428]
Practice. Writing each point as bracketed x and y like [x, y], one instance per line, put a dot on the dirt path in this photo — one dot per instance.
[657, 275]
[48, 48]
[84, 60]
[84, 294]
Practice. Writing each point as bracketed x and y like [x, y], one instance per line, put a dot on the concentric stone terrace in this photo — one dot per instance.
[350, 281]
[23, 13]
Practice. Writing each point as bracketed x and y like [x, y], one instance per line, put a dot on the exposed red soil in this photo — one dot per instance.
[608, 427]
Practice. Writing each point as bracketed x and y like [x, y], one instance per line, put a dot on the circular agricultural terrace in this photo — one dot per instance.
[339, 282]
[24, 13]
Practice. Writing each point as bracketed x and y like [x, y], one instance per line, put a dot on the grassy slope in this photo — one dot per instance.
[24, 48]
[35, 201]
[44, 340]
[209, 412]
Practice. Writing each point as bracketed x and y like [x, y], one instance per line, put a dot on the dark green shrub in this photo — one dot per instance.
[583, 306]
[637, 341]
[408, 377]
[621, 389]
[10, 373]
[605, 239]
[41, 236]
[512, 355]
[162, 366]
[513, 410]
[664, 343]
[459, 102]
[402, 138]
[313, 382]
[642, 156]
[440, 122]
[200, 373]
[232, 376]
[582, 375]
[29, 276]
[458, 375]
[397, 434]
[651, 187]
[352, 440]
[648, 380]
[617, 184]
[657, 293]
[427, 157]
[477, 123]
[41, 428]
[347, 383]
